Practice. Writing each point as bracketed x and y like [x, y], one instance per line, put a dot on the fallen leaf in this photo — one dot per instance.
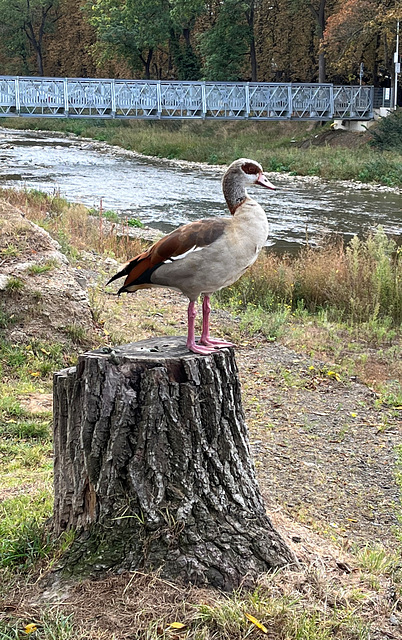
[256, 622]
[177, 625]
[30, 628]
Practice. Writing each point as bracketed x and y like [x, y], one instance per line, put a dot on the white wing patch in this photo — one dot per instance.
[184, 255]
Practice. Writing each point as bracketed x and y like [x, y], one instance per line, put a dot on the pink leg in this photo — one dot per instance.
[191, 313]
[205, 337]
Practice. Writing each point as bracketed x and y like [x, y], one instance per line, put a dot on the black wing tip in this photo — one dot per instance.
[115, 277]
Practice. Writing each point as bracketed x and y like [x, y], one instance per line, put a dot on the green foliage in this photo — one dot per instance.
[135, 222]
[136, 29]
[378, 169]
[186, 61]
[374, 278]
[24, 25]
[183, 16]
[226, 43]
[109, 215]
[131, 29]
[387, 135]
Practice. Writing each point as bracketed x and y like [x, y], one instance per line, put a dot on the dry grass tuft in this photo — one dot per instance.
[73, 226]
[358, 283]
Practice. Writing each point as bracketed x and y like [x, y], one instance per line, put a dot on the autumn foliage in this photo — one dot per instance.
[263, 40]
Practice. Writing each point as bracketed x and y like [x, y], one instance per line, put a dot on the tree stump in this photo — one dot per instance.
[153, 468]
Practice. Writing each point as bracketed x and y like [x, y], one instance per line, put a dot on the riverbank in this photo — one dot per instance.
[285, 147]
[323, 441]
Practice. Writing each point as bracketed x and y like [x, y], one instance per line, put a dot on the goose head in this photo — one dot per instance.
[241, 174]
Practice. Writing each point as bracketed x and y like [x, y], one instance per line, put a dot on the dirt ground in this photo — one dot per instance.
[324, 452]
[338, 138]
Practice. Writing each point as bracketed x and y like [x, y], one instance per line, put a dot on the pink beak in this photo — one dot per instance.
[264, 182]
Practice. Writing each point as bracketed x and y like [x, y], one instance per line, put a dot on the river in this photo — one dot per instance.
[166, 194]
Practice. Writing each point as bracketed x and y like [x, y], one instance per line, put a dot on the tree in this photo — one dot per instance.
[318, 11]
[25, 24]
[136, 29]
[183, 14]
[286, 42]
[73, 55]
[362, 30]
[318, 8]
[131, 28]
[229, 40]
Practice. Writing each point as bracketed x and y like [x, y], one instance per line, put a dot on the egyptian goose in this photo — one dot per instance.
[204, 256]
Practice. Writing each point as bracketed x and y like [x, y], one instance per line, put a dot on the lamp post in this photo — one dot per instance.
[397, 66]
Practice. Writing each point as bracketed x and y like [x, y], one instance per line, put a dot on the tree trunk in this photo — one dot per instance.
[153, 468]
[253, 54]
[319, 15]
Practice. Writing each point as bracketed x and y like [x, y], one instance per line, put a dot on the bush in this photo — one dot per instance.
[359, 283]
[388, 133]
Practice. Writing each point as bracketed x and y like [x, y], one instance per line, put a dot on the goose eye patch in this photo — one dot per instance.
[250, 168]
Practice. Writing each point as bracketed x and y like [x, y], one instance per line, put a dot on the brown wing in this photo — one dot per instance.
[190, 236]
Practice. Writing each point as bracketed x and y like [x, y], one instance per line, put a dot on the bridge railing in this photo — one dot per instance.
[102, 98]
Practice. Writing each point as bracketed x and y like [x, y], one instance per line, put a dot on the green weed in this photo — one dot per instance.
[38, 269]
[135, 222]
[14, 285]
[111, 216]
[31, 361]
[377, 560]
[387, 135]
[76, 333]
[10, 251]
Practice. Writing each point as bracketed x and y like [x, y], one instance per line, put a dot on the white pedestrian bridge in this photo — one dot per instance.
[161, 99]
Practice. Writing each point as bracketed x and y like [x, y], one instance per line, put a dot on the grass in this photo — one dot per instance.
[274, 144]
[53, 626]
[358, 283]
[25, 452]
[285, 606]
[74, 227]
[39, 269]
[14, 284]
[23, 538]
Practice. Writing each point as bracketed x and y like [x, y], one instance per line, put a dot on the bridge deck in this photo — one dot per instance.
[147, 99]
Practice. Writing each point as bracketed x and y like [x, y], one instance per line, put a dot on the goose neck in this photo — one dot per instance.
[234, 191]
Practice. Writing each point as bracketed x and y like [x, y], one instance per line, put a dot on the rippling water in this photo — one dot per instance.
[164, 196]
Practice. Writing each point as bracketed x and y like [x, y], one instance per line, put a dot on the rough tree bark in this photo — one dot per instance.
[153, 467]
